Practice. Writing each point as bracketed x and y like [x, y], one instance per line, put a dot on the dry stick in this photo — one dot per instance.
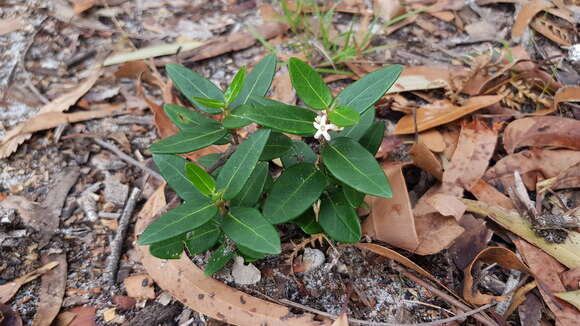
[482, 318]
[117, 244]
[127, 158]
[372, 323]
[222, 159]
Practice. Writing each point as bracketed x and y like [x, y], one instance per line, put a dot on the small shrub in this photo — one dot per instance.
[332, 167]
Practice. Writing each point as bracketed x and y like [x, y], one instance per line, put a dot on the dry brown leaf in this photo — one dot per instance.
[533, 165]
[388, 9]
[139, 286]
[433, 139]
[430, 118]
[165, 127]
[282, 88]
[550, 131]
[471, 158]
[553, 31]
[10, 25]
[471, 242]
[32, 214]
[393, 255]
[566, 94]
[426, 160]
[83, 316]
[491, 255]
[268, 13]
[526, 14]
[486, 193]
[421, 78]
[546, 270]
[52, 288]
[133, 69]
[8, 290]
[230, 43]
[14, 137]
[571, 279]
[391, 219]
[188, 284]
[447, 205]
[81, 5]
[568, 252]
[342, 320]
[572, 297]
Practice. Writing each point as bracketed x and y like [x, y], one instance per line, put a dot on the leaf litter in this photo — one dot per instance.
[471, 132]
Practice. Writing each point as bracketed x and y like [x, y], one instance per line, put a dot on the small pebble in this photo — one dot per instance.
[312, 259]
[245, 274]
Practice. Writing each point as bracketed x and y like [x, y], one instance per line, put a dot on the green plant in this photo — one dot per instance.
[239, 200]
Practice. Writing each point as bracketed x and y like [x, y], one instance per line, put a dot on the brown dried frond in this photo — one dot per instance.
[553, 31]
[518, 92]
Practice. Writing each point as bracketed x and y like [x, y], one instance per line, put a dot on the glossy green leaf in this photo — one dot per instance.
[226, 139]
[240, 165]
[168, 249]
[353, 197]
[299, 152]
[181, 219]
[210, 103]
[281, 117]
[200, 179]
[185, 118]
[220, 257]
[338, 219]
[307, 222]
[373, 138]
[235, 86]
[248, 228]
[202, 238]
[293, 192]
[359, 129]
[366, 91]
[253, 188]
[189, 140]
[172, 168]
[278, 144]
[235, 118]
[309, 85]
[352, 164]
[258, 81]
[249, 254]
[343, 116]
[208, 160]
[192, 84]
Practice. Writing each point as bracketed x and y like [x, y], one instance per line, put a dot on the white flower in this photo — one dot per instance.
[322, 128]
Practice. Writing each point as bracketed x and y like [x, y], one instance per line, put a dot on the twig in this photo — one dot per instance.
[222, 159]
[127, 158]
[482, 318]
[372, 323]
[117, 244]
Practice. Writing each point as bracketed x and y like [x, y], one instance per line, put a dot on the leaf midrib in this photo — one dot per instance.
[179, 220]
[252, 231]
[354, 166]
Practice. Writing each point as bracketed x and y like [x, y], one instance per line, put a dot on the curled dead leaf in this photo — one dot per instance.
[550, 131]
[8, 290]
[426, 160]
[526, 14]
[430, 118]
[52, 288]
[491, 255]
[433, 139]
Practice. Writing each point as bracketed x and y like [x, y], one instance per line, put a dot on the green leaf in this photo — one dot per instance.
[200, 179]
[258, 81]
[220, 257]
[373, 138]
[249, 254]
[192, 84]
[203, 238]
[248, 228]
[208, 160]
[189, 140]
[359, 129]
[185, 118]
[210, 103]
[235, 86]
[343, 116]
[240, 165]
[366, 91]
[235, 118]
[300, 152]
[172, 168]
[353, 197]
[278, 144]
[293, 192]
[168, 249]
[338, 219]
[309, 85]
[352, 164]
[226, 139]
[307, 222]
[281, 117]
[253, 188]
[181, 219]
